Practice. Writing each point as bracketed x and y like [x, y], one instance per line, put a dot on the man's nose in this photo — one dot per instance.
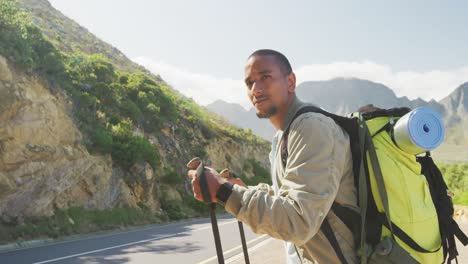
[257, 87]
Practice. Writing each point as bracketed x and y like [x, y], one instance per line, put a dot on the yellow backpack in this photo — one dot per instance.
[405, 212]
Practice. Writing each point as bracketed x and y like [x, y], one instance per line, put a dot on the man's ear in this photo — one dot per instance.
[291, 82]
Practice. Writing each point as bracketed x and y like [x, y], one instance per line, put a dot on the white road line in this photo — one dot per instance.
[231, 250]
[127, 244]
[108, 235]
[251, 250]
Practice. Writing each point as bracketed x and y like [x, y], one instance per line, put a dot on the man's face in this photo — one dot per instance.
[267, 85]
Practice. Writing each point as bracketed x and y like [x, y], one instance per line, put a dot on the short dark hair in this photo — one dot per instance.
[279, 57]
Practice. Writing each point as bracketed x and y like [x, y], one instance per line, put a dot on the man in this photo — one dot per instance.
[318, 170]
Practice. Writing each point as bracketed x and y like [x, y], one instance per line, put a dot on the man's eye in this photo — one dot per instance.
[249, 84]
[264, 77]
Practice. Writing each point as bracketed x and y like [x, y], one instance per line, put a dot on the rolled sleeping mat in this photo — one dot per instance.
[419, 131]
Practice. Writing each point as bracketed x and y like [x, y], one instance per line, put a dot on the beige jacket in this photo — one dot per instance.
[318, 172]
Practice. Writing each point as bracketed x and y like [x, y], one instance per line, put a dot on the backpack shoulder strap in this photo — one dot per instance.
[328, 232]
[284, 138]
[348, 124]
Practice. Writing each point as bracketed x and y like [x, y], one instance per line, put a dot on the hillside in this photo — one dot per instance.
[89, 140]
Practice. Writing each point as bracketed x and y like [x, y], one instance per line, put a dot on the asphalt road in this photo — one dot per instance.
[186, 242]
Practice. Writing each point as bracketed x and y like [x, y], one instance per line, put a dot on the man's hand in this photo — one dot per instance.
[213, 180]
[226, 174]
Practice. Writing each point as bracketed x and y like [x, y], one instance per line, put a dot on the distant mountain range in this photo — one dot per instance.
[345, 95]
[237, 115]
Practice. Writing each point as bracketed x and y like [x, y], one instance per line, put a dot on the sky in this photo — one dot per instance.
[417, 48]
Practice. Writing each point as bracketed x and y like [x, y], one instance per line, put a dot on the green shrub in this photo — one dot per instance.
[131, 110]
[461, 198]
[174, 210]
[171, 177]
[456, 177]
[199, 207]
[102, 139]
[122, 131]
[136, 149]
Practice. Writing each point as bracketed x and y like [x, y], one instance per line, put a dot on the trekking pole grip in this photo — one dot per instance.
[197, 164]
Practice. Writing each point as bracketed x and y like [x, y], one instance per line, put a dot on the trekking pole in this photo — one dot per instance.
[226, 174]
[244, 245]
[197, 164]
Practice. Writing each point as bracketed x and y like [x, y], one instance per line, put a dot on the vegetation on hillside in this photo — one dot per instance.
[23, 43]
[261, 175]
[456, 177]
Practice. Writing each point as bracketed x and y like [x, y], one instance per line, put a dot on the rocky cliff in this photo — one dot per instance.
[43, 164]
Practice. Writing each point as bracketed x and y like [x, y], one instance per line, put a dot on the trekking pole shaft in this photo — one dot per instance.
[214, 226]
[244, 244]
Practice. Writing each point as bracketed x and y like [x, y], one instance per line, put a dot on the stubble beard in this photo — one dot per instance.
[269, 113]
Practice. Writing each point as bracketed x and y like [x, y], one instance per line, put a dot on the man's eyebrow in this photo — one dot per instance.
[260, 72]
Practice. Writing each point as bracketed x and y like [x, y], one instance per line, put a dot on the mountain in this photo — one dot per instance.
[456, 105]
[89, 140]
[236, 114]
[345, 95]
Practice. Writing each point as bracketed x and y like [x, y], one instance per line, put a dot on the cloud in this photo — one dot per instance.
[434, 84]
[205, 89]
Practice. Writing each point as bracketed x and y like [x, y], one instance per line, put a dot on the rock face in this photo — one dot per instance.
[44, 166]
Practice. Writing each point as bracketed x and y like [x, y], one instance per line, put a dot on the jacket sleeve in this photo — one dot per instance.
[317, 150]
